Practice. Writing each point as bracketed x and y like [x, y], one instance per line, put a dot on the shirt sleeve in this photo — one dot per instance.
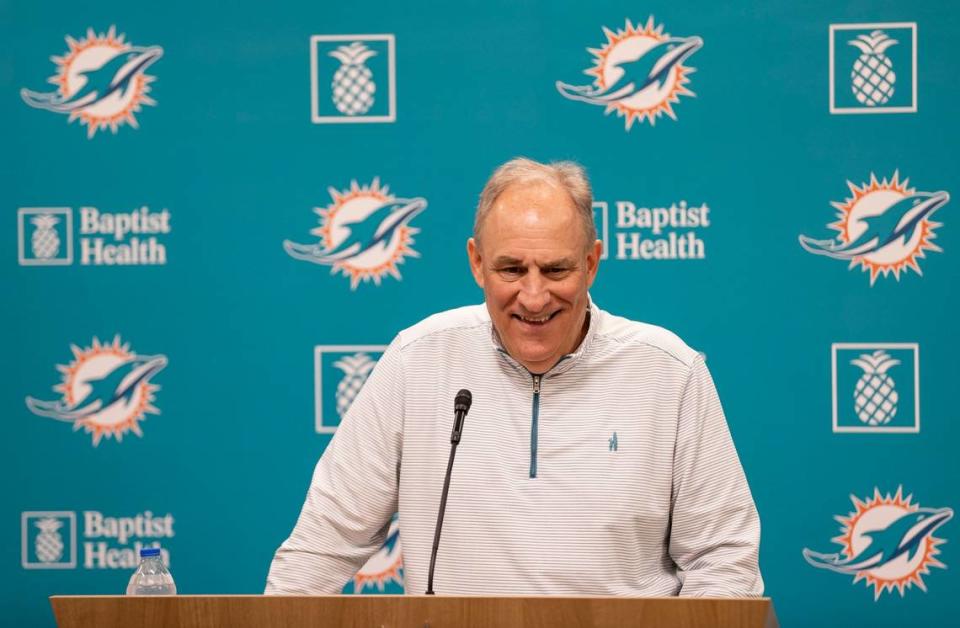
[353, 493]
[715, 532]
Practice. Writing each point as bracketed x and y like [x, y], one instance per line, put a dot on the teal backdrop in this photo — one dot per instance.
[162, 246]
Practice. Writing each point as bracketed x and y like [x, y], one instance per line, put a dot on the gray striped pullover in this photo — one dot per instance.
[613, 474]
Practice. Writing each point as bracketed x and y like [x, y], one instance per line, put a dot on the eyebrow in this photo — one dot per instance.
[506, 260]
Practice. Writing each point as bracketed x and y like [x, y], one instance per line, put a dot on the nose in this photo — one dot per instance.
[534, 294]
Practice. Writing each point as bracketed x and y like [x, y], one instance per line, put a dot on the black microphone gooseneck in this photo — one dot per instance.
[461, 405]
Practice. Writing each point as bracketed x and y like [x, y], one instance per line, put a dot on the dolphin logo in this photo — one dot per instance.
[651, 68]
[117, 386]
[383, 567]
[897, 224]
[903, 536]
[393, 538]
[376, 229]
[114, 76]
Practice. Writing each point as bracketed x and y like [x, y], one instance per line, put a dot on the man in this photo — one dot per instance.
[595, 458]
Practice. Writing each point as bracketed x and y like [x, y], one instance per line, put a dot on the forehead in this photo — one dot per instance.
[529, 217]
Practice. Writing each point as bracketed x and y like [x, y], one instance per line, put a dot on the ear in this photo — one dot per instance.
[476, 262]
[593, 261]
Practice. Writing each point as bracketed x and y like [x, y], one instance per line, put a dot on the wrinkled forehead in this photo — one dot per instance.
[538, 212]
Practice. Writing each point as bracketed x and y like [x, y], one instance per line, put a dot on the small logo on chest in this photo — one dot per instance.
[613, 442]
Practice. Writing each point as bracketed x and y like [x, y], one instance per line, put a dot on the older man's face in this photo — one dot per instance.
[535, 267]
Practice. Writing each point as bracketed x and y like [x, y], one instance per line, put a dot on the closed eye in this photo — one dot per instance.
[556, 271]
[510, 272]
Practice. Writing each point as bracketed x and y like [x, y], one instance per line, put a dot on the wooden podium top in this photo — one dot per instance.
[408, 611]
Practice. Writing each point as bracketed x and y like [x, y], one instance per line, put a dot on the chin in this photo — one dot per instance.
[538, 357]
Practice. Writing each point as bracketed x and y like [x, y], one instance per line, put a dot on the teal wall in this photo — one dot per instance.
[233, 322]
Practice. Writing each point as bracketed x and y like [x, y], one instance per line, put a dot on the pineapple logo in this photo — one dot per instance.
[45, 242]
[101, 80]
[875, 396]
[48, 544]
[638, 73]
[866, 397]
[887, 542]
[49, 540]
[340, 371]
[356, 369]
[872, 76]
[353, 85]
[45, 236]
[364, 233]
[884, 227]
[873, 68]
[359, 71]
[106, 390]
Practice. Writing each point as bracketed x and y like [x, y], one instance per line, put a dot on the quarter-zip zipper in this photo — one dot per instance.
[534, 426]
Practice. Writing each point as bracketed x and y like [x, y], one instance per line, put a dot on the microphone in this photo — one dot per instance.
[461, 405]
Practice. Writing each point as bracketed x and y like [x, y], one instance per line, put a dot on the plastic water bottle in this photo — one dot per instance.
[151, 577]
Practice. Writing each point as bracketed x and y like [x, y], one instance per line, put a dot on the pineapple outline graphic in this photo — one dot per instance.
[875, 396]
[876, 387]
[45, 243]
[48, 544]
[353, 78]
[356, 369]
[48, 539]
[872, 78]
[873, 68]
[353, 87]
[345, 369]
[45, 236]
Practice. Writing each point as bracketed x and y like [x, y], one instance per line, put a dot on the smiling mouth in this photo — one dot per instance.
[536, 320]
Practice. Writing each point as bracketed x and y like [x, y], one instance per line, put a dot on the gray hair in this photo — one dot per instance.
[567, 175]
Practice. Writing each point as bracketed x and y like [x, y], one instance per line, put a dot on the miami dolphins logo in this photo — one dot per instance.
[385, 566]
[884, 227]
[106, 390]
[101, 80]
[887, 541]
[638, 73]
[364, 233]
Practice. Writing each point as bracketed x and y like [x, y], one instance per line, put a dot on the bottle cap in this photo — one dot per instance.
[149, 551]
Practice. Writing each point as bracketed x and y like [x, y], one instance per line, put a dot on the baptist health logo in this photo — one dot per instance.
[886, 541]
[100, 80]
[652, 233]
[45, 237]
[638, 72]
[353, 78]
[340, 371]
[364, 233]
[49, 539]
[106, 390]
[884, 227]
[873, 68]
[876, 387]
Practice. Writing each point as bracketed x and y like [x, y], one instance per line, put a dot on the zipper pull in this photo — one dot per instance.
[536, 384]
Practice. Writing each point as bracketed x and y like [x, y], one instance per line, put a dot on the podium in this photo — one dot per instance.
[408, 611]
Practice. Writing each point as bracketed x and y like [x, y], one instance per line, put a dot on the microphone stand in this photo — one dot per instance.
[461, 406]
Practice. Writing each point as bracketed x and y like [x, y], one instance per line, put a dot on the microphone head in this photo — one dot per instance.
[462, 401]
